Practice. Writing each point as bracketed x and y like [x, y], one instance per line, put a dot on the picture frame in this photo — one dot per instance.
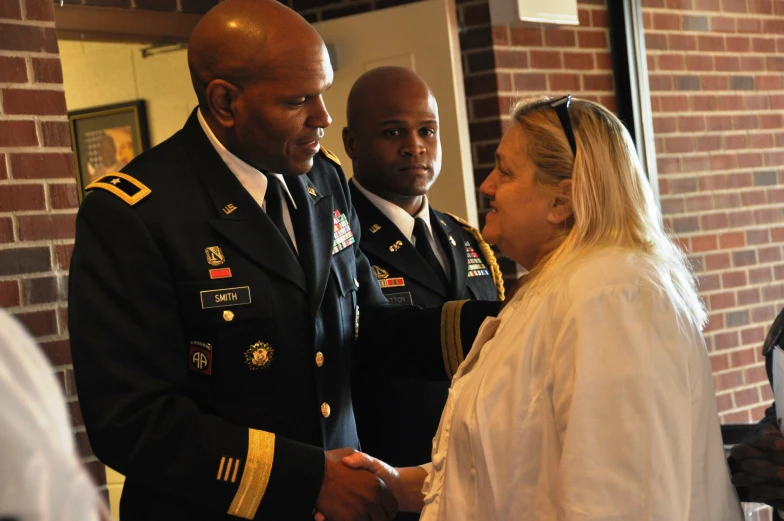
[106, 138]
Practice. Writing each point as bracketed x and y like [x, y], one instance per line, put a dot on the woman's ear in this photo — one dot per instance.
[561, 209]
[221, 100]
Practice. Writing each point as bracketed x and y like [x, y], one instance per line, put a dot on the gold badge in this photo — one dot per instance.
[452, 241]
[312, 191]
[396, 246]
[214, 255]
[228, 315]
[259, 356]
[229, 208]
[374, 228]
[115, 181]
[380, 272]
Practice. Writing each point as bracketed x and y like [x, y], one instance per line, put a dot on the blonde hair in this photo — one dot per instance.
[612, 200]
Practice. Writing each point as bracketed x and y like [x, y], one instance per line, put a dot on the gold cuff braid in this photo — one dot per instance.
[255, 476]
[487, 254]
[451, 340]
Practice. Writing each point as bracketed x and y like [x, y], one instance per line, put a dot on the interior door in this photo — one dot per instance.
[421, 36]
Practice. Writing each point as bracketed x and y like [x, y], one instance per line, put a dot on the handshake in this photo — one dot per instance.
[359, 487]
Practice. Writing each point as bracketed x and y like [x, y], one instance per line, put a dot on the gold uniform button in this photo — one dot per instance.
[356, 282]
[325, 410]
[319, 359]
[228, 316]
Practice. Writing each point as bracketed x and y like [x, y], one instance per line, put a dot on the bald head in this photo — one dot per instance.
[238, 40]
[392, 135]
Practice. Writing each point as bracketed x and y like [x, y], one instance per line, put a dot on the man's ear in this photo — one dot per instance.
[221, 97]
[349, 143]
[561, 209]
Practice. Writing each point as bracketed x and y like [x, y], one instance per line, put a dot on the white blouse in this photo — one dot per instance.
[590, 401]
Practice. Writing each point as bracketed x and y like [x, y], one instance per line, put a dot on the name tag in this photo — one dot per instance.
[400, 299]
[222, 298]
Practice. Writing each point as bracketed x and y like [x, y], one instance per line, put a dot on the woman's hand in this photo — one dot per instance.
[405, 483]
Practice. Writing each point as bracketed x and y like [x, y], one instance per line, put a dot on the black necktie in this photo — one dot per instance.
[423, 247]
[274, 200]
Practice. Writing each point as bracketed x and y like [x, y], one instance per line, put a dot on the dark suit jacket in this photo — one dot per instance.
[396, 421]
[216, 397]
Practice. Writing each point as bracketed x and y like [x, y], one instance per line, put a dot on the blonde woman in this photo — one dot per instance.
[590, 397]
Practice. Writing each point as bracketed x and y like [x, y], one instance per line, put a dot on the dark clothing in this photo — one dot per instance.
[396, 421]
[213, 363]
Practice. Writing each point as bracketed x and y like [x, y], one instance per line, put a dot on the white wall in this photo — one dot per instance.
[97, 73]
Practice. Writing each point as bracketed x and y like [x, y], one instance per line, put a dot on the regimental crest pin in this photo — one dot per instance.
[312, 191]
[259, 356]
[214, 255]
[452, 241]
[380, 272]
[395, 246]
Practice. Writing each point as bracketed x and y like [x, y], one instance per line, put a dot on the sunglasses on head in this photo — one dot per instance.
[561, 107]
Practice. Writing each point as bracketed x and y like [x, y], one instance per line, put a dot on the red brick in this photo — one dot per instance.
[691, 123]
[767, 215]
[6, 231]
[757, 237]
[82, 442]
[699, 62]
[761, 141]
[732, 240]
[672, 62]
[670, 165]
[709, 282]
[55, 133]
[47, 70]
[12, 69]
[526, 36]
[41, 290]
[578, 61]
[774, 292]
[674, 103]
[63, 196]
[713, 182]
[761, 6]
[719, 362]
[711, 43]
[472, 14]
[724, 402]
[666, 22]
[756, 374]
[752, 64]
[18, 133]
[9, 293]
[749, 160]
[14, 37]
[485, 83]
[703, 103]
[756, 102]
[722, 24]
[733, 279]
[765, 82]
[724, 162]
[778, 272]
[23, 197]
[481, 61]
[760, 275]
[660, 82]
[719, 122]
[564, 82]
[753, 198]
[717, 261]
[546, 59]
[754, 335]
[745, 122]
[42, 166]
[727, 200]
[530, 82]
[679, 144]
[684, 185]
[592, 39]
[749, 25]
[58, 352]
[38, 102]
[63, 253]
[714, 221]
[704, 243]
[39, 11]
[747, 297]
[746, 397]
[41, 227]
[708, 143]
[10, 9]
[764, 314]
[773, 26]
[770, 254]
[715, 323]
[603, 82]
[682, 42]
[39, 323]
[476, 38]
[740, 219]
[664, 124]
[730, 380]
[559, 37]
[738, 44]
[735, 142]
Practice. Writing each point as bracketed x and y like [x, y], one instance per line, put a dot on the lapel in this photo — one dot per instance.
[406, 259]
[456, 253]
[247, 227]
[313, 226]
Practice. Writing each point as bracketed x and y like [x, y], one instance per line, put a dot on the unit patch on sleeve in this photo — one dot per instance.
[201, 357]
[342, 236]
[476, 268]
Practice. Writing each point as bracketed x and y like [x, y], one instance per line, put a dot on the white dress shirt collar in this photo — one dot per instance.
[254, 181]
[398, 216]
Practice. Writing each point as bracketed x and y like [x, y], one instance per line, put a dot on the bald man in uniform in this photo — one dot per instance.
[393, 141]
[215, 294]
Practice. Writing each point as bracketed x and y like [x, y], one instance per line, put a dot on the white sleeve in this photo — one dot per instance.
[622, 408]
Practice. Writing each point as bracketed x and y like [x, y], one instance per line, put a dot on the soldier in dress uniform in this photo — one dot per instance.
[216, 286]
[419, 255]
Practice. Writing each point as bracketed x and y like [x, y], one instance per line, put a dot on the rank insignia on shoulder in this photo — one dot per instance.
[122, 185]
[233, 463]
[259, 356]
[380, 272]
[201, 357]
[342, 236]
[330, 155]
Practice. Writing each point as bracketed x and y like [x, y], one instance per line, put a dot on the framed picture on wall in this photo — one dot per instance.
[106, 138]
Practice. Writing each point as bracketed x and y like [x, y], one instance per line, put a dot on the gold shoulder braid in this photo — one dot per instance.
[330, 155]
[487, 253]
[127, 188]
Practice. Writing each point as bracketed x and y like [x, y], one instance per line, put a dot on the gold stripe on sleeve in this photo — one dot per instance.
[228, 470]
[451, 341]
[220, 467]
[236, 468]
[255, 477]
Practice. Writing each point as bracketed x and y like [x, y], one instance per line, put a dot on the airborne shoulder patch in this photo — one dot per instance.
[123, 186]
[330, 155]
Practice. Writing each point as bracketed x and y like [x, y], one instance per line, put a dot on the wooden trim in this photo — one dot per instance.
[122, 25]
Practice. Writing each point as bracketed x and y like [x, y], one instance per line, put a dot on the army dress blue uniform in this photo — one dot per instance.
[397, 421]
[213, 363]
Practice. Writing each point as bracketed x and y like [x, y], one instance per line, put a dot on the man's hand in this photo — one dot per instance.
[760, 466]
[353, 494]
[405, 483]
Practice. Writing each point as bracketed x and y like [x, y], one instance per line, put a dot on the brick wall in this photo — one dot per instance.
[717, 92]
[37, 189]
